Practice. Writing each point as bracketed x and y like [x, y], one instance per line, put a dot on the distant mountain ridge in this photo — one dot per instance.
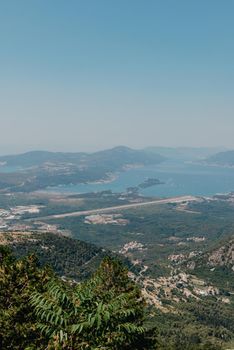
[119, 154]
[222, 158]
[34, 158]
[40, 169]
[185, 153]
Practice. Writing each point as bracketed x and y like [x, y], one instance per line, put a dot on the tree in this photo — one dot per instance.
[18, 280]
[106, 312]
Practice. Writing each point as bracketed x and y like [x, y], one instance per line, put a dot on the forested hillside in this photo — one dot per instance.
[40, 311]
[68, 257]
[39, 308]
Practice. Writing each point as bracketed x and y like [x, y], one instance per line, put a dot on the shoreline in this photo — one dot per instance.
[214, 165]
[112, 178]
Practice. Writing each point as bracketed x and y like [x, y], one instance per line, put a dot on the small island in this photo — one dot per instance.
[150, 182]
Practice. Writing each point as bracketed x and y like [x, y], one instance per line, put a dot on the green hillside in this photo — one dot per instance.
[68, 257]
[40, 169]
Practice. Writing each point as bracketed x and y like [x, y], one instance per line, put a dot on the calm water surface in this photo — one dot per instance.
[180, 179]
[9, 169]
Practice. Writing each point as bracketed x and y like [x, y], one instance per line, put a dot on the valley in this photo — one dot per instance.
[179, 249]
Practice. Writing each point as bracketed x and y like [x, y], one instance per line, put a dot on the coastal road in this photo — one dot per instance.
[119, 207]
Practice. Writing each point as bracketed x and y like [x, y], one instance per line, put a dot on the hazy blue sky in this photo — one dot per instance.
[84, 75]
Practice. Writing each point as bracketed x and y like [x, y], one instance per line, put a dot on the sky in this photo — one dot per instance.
[92, 74]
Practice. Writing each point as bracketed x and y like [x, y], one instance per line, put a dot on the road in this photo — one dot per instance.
[120, 207]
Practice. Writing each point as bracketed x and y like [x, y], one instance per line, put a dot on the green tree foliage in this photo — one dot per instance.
[39, 311]
[18, 280]
[105, 312]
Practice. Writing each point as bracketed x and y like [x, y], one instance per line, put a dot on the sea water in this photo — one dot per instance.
[180, 178]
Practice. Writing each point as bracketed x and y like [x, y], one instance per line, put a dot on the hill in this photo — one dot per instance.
[38, 158]
[223, 256]
[216, 266]
[122, 156]
[222, 159]
[184, 153]
[185, 308]
[39, 169]
[116, 158]
[68, 257]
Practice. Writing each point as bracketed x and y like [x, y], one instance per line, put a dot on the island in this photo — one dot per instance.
[149, 182]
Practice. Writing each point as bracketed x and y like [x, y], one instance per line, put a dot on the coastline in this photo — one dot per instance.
[111, 177]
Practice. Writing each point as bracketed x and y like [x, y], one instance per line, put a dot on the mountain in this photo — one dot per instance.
[40, 169]
[38, 158]
[188, 309]
[216, 265]
[222, 159]
[115, 157]
[221, 256]
[122, 156]
[68, 257]
[184, 153]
